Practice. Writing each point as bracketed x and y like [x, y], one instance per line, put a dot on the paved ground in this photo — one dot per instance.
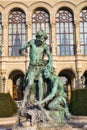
[77, 122]
[2, 128]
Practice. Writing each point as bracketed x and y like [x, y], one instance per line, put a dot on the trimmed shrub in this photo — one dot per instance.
[7, 105]
[13, 103]
[78, 103]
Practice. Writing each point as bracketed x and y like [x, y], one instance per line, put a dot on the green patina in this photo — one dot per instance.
[41, 70]
[38, 50]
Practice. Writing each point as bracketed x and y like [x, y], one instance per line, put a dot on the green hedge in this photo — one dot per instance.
[78, 103]
[7, 105]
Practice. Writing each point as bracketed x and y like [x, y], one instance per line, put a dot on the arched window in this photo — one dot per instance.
[41, 20]
[64, 33]
[83, 31]
[0, 34]
[17, 31]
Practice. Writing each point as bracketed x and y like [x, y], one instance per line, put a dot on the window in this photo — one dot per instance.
[17, 31]
[41, 20]
[64, 33]
[0, 34]
[83, 31]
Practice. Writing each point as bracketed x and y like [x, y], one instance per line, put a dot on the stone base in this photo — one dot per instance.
[25, 128]
[64, 127]
[44, 127]
[9, 121]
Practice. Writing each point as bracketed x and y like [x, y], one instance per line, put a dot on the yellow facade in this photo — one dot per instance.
[73, 66]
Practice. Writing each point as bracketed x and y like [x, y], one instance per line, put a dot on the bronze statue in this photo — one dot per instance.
[57, 96]
[41, 69]
[38, 49]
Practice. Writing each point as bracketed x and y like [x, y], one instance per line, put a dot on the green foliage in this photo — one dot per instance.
[14, 105]
[78, 103]
[7, 105]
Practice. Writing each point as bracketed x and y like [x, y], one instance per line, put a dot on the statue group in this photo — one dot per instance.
[50, 104]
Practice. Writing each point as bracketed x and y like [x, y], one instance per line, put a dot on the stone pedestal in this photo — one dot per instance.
[9, 121]
[25, 128]
[41, 127]
[64, 127]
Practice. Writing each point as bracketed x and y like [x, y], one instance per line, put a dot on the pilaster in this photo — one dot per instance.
[5, 39]
[3, 81]
[29, 37]
[78, 54]
[53, 45]
[77, 34]
[29, 30]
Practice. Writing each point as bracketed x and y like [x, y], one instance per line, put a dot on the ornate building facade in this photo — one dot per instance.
[65, 23]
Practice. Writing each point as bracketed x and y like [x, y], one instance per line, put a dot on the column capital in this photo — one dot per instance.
[29, 24]
[78, 48]
[53, 23]
[3, 50]
[77, 23]
[3, 73]
[5, 25]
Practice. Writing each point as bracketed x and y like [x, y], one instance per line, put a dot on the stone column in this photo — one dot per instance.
[29, 30]
[73, 84]
[53, 45]
[77, 34]
[5, 39]
[78, 55]
[69, 92]
[29, 37]
[0, 83]
[3, 81]
[4, 55]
